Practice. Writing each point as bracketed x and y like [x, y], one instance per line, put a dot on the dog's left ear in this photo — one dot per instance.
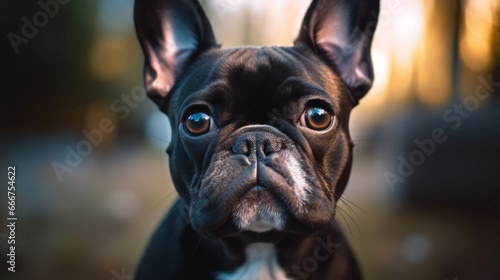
[172, 33]
[341, 32]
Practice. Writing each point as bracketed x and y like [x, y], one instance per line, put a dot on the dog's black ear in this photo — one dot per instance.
[172, 33]
[341, 32]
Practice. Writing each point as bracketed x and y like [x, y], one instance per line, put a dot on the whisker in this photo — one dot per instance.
[196, 247]
[354, 204]
[354, 221]
[164, 198]
[347, 224]
[349, 207]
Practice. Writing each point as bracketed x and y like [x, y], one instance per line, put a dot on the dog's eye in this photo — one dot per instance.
[197, 124]
[316, 118]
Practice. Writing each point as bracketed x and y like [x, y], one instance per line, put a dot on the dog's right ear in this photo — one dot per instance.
[341, 32]
[172, 33]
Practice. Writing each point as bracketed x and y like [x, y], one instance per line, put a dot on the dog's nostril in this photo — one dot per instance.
[271, 147]
[241, 146]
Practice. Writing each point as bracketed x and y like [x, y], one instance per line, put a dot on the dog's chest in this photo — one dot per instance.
[261, 264]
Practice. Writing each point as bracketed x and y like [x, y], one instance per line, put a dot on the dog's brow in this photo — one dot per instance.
[215, 91]
[295, 87]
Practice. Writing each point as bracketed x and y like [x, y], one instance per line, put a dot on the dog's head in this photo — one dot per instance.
[260, 138]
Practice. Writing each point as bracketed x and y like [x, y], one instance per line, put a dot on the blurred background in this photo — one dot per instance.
[422, 202]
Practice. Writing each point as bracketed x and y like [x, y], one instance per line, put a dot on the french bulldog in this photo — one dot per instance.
[260, 152]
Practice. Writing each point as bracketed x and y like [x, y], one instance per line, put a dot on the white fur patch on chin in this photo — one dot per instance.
[259, 227]
[258, 217]
[261, 263]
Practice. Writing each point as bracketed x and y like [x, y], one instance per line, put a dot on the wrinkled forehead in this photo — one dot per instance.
[272, 64]
[243, 76]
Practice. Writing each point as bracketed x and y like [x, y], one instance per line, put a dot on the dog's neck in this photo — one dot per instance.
[261, 262]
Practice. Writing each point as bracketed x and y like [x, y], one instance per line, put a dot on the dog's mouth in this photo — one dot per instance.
[260, 199]
[259, 210]
[258, 195]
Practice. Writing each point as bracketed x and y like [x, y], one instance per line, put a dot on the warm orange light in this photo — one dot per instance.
[409, 40]
[475, 45]
[382, 69]
[109, 58]
[434, 59]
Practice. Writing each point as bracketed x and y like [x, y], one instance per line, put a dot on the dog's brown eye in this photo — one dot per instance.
[316, 118]
[197, 124]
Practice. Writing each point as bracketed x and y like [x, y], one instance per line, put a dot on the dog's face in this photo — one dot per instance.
[260, 139]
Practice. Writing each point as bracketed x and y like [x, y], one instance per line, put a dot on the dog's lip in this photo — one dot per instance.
[257, 188]
[261, 192]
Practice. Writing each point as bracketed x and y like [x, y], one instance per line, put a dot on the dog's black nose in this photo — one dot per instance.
[259, 144]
